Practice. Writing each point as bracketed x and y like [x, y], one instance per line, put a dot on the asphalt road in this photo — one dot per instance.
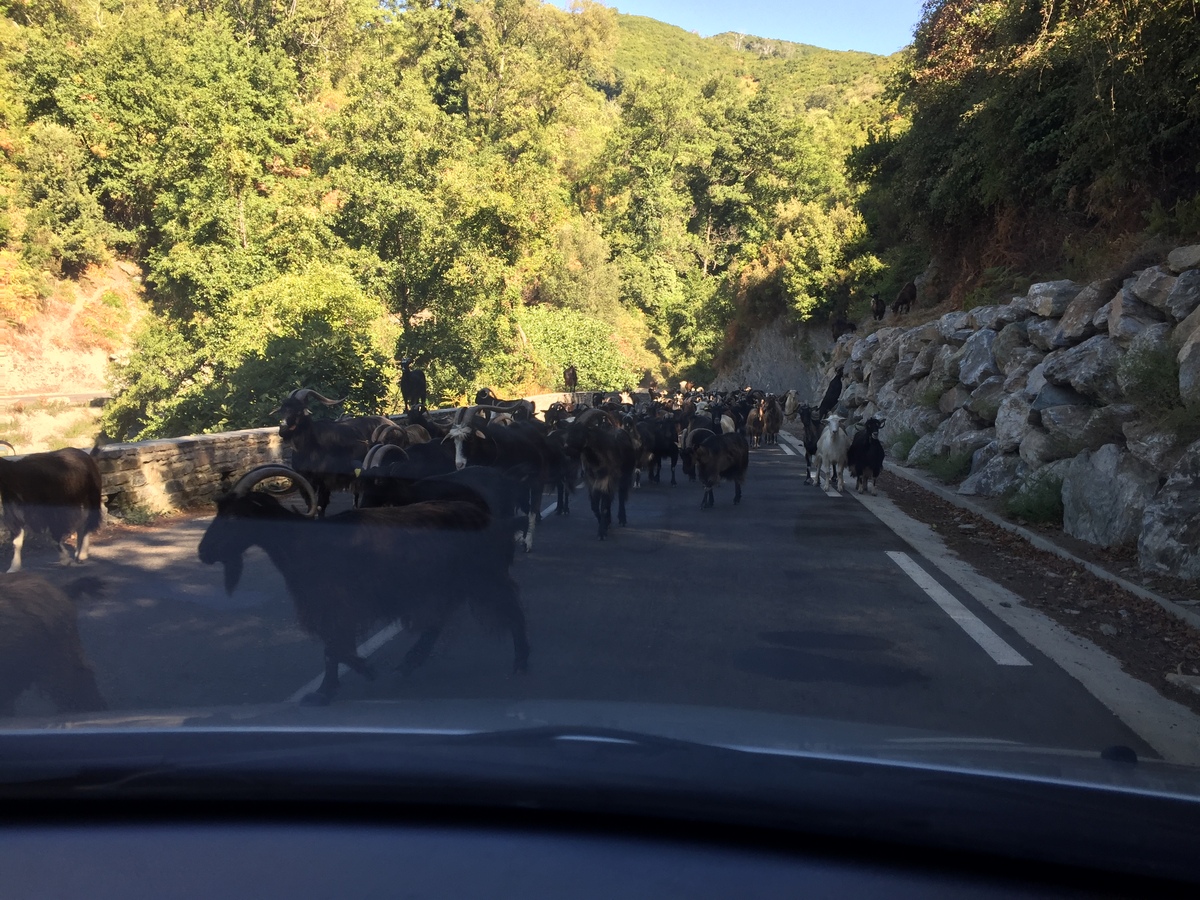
[788, 603]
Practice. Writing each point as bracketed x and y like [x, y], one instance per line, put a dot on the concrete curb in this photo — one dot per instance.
[938, 490]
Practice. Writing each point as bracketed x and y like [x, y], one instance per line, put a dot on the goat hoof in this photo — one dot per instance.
[316, 698]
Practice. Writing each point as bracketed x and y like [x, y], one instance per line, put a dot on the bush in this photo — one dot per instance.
[950, 466]
[1149, 378]
[1038, 500]
[558, 338]
[904, 442]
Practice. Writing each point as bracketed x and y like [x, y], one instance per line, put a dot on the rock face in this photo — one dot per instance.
[1036, 389]
[1104, 495]
[1170, 531]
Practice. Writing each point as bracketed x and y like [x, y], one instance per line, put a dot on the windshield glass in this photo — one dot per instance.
[454, 367]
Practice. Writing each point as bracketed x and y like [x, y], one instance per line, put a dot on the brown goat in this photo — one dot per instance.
[40, 646]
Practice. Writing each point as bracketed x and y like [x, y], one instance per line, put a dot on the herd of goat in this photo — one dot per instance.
[437, 500]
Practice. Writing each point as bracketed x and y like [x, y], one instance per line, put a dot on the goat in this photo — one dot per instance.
[832, 448]
[905, 299]
[342, 572]
[570, 379]
[791, 404]
[878, 308]
[414, 388]
[841, 325]
[772, 418]
[812, 433]
[833, 393]
[515, 445]
[40, 646]
[606, 455]
[433, 429]
[326, 453]
[754, 426]
[58, 492]
[564, 470]
[864, 459]
[522, 410]
[692, 438]
[722, 456]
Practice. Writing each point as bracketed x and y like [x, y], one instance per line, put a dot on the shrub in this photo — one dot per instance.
[903, 443]
[1149, 378]
[1038, 500]
[949, 466]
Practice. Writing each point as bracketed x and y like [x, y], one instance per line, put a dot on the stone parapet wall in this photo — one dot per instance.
[175, 473]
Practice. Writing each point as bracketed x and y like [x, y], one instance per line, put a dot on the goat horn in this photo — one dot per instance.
[10, 447]
[302, 396]
[246, 483]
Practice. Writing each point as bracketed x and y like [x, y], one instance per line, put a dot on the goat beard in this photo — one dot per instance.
[233, 573]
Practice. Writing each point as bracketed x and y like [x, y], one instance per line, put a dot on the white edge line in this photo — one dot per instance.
[992, 644]
[786, 449]
[365, 649]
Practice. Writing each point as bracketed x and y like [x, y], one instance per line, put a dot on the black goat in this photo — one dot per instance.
[692, 438]
[517, 446]
[864, 459]
[833, 393]
[606, 455]
[841, 325]
[812, 434]
[905, 299]
[40, 646]
[570, 379]
[878, 307]
[326, 453]
[772, 418]
[564, 470]
[364, 567]
[414, 388]
[58, 492]
[722, 457]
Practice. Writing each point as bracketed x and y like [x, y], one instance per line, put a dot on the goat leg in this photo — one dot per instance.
[737, 493]
[329, 684]
[419, 652]
[18, 543]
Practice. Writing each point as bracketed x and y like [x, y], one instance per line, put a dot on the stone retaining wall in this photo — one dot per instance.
[175, 473]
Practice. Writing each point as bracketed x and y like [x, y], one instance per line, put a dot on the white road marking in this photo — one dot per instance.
[992, 643]
[786, 449]
[550, 507]
[365, 649]
[832, 493]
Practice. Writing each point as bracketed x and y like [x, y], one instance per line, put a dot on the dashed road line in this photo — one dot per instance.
[786, 449]
[992, 643]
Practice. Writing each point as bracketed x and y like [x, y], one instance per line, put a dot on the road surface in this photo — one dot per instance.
[794, 602]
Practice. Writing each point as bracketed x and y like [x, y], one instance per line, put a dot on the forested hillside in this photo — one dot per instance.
[497, 188]
[1036, 139]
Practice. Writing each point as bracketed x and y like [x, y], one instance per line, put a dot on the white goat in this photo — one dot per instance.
[832, 448]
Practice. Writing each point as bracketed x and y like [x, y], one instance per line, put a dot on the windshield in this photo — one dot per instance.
[461, 367]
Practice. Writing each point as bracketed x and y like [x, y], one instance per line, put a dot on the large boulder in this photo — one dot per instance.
[1049, 299]
[1010, 340]
[945, 366]
[1012, 422]
[1038, 448]
[972, 441]
[919, 420]
[1035, 381]
[1009, 314]
[1184, 298]
[1054, 395]
[953, 328]
[955, 398]
[1041, 333]
[1104, 494]
[925, 449]
[1170, 536]
[1189, 372]
[1157, 449]
[984, 401]
[983, 456]
[1153, 286]
[1129, 315]
[981, 317]
[1078, 428]
[1077, 322]
[1000, 475]
[977, 364]
[1090, 368]
[1184, 258]
[960, 423]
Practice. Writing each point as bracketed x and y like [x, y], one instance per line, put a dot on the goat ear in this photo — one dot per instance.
[479, 434]
[357, 472]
